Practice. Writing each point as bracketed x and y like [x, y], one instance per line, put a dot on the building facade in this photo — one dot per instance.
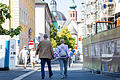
[22, 14]
[43, 19]
[71, 23]
[99, 10]
[72, 12]
[73, 28]
[26, 20]
[58, 17]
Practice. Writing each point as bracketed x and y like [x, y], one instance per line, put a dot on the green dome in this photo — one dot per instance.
[73, 5]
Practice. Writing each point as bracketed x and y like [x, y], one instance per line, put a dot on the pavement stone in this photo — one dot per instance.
[74, 73]
[19, 70]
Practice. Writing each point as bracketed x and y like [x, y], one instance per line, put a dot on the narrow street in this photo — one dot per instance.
[74, 73]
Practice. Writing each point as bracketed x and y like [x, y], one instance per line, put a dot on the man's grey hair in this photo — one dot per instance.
[45, 36]
[61, 40]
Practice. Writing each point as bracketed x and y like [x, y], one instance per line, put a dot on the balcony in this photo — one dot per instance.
[109, 4]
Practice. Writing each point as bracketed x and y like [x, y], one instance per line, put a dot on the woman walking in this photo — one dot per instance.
[32, 57]
[63, 55]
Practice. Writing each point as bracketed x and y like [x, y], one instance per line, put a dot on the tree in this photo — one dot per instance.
[66, 35]
[5, 14]
[53, 41]
[53, 33]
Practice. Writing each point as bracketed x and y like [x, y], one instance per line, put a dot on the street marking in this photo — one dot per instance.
[25, 75]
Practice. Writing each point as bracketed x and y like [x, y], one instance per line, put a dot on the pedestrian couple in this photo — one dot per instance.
[25, 55]
[45, 52]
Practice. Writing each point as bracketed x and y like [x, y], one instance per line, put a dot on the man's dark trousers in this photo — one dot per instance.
[43, 61]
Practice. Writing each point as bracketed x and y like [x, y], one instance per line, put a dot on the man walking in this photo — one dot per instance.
[24, 53]
[63, 55]
[45, 51]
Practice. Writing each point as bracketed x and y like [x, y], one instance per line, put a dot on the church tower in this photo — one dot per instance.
[72, 12]
[53, 8]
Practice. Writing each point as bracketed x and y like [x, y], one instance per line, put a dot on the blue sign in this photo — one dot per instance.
[18, 41]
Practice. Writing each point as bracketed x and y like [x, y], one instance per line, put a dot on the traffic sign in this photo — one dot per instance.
[31, 42]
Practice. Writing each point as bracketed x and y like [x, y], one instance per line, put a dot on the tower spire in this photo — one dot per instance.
[73, 13]
[53, 5]
[73, 5]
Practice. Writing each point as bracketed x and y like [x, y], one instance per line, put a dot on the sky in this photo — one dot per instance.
[63, 6]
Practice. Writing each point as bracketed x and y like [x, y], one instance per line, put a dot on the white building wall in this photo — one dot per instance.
[73, 25]
[48, 29]
[81, 33]
[15, 23]
[39, 20]
[117, 9]
[47, 22]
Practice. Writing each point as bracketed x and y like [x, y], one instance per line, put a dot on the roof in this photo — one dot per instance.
[72, 28]
[60, 16]
[67, 22]
[39, 2]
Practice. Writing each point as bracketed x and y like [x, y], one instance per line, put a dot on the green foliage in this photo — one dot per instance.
[66, 35]
[12, 32]
[15, 31]
[5, 14]
[53, 31]
[53, 41]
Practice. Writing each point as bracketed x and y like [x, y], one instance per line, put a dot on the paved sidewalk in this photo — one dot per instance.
[18, 71]
[28, 68]
[74, 73]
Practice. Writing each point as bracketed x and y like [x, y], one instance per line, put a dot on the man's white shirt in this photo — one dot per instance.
[24, 53]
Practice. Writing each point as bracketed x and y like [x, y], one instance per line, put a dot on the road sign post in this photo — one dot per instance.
[31, 44]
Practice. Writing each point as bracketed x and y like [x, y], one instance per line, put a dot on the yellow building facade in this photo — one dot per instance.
[23, 14]
[27, 20]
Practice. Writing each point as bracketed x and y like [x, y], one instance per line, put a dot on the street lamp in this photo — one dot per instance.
[29, 34]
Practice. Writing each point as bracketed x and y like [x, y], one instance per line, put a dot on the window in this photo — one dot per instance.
[20, 15]
[70, 15]
[73, 15]
[103, 26]
[24, 18]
